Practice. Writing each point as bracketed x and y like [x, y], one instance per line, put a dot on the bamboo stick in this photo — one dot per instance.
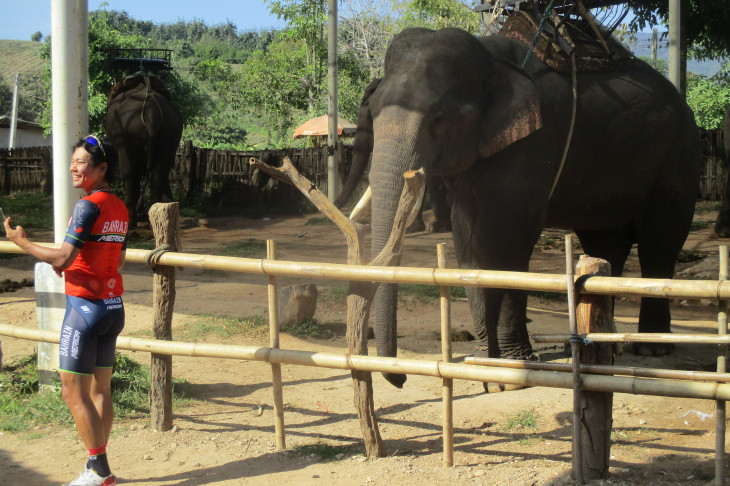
[274, 343]
[448, 383]
[603, 369]
[635, 337]
[618, 286]
[458, 371]
[575, 353]
[720, 425]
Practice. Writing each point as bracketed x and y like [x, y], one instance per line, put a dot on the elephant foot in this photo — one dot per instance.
[438, 227]
[722, 230]
[489, 387]
[502, 387]
[395, 379]
[416, 227]
[652, 349]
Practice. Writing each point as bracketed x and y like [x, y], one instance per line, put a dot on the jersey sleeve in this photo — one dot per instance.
[84, 216]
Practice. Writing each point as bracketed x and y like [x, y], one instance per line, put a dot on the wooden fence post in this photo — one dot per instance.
[164, 219]
[594, 313]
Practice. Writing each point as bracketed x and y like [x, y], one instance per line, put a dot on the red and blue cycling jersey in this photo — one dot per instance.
[98, 227]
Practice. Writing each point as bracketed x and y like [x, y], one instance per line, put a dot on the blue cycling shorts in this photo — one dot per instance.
[89, 334]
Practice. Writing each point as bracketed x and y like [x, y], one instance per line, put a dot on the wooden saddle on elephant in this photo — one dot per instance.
[130, 82]
[600, 52]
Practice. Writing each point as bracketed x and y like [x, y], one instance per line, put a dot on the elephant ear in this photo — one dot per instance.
[512, 111]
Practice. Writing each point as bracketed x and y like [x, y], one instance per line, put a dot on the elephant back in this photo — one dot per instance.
[139, 79]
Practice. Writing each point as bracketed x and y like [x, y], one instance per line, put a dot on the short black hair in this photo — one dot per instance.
[103, 151]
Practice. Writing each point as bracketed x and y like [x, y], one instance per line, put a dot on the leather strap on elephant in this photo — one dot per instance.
[574, 85]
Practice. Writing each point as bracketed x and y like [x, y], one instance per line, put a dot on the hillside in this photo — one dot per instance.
[642, 48]
[19, 57]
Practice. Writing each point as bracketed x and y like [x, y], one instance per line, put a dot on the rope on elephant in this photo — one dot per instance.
[574, 83]
[540, 28]
[152, 259]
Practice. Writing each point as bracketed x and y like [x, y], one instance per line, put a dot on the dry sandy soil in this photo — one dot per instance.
[226, 436]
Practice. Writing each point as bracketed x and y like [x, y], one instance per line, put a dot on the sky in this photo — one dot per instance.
[21, 18]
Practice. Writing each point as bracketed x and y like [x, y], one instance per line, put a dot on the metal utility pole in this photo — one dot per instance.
[332, 157]
[14, 113]
[677, 49]
[70, 87]
[654, 41]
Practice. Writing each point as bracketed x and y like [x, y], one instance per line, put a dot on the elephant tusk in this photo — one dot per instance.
[362, 208]
[417, 207]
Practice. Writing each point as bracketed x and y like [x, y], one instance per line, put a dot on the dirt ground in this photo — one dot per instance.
[226, 436]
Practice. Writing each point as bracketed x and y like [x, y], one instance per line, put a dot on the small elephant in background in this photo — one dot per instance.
[145, 127]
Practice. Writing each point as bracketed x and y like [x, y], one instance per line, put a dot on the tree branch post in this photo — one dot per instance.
[360, 294]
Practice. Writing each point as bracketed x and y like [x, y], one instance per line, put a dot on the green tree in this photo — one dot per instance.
[438, 14]
[37, 36]
[709, 98]
[307, 21]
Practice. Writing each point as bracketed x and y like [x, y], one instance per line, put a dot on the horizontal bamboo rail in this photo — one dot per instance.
[636, 337]
[603, 369]
[460, 371]
[619, 286]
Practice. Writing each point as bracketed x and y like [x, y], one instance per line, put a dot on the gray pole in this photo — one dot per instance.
[70, 88]
[654, 40]
[14, 113]
[332, 175]
[675, 37]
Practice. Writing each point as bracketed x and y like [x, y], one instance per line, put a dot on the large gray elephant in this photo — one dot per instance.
[722, 224]
[145, 127]
[463, 109]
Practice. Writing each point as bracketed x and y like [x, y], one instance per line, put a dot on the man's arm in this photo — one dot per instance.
[60, 258]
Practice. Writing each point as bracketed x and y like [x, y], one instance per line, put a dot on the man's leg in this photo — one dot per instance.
[101, 395]
[76, 389]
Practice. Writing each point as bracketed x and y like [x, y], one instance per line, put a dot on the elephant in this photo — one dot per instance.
[465, 110]
[722, 224]
[145, 127]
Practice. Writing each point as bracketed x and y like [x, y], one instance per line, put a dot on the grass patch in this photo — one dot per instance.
[322, 451]
[700, 225]
[708, 207]
[205, 326]
[334, 295]
[141, 245]
[525, 419]
[545, 297]
[32, 210]
[309, 328]
[427, 293]
[24, 404]
[689, 256]
[319, 221]
[251, 248]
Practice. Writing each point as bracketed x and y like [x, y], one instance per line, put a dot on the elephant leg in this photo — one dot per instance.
[722, 224]
[613, 246]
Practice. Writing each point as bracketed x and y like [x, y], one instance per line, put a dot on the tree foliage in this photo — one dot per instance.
[709, 98]
[706, 24]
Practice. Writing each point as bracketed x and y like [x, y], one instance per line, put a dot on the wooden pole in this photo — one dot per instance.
[575, 353]
[448, 383]
[274, 343]
[722, 352]
[595, 314]
[164, 219]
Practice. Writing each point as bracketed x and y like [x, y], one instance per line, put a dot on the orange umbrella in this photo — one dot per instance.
[318, 127]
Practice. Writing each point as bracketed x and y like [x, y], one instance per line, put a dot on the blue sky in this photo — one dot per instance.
[21, 18]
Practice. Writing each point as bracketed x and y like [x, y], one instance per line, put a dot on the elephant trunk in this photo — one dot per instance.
[390, 160]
